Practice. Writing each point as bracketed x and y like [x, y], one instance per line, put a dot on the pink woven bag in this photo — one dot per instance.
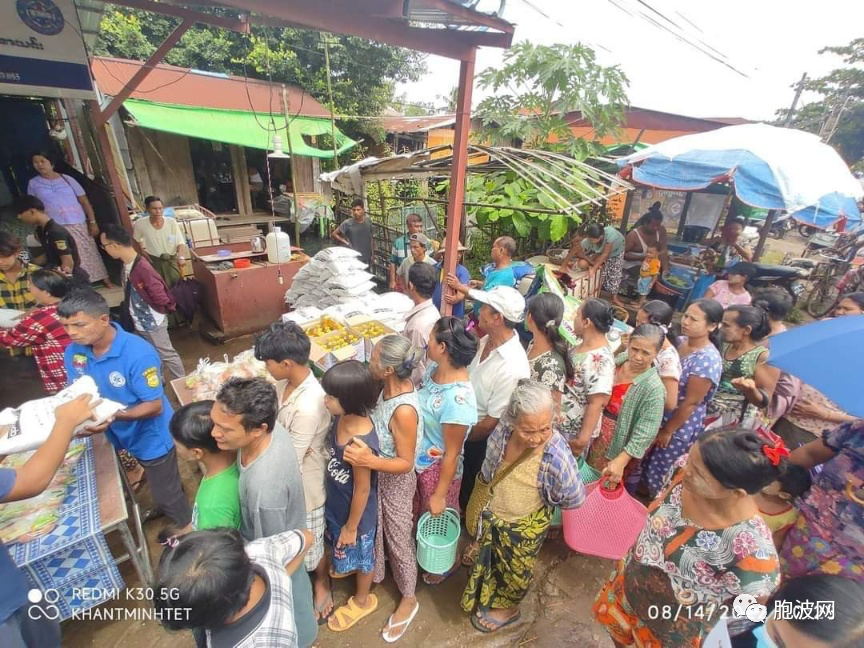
[606, 525]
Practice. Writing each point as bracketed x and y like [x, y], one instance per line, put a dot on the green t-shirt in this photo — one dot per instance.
[610, 235]
[218, 501]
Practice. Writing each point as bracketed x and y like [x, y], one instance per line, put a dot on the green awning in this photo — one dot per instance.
[255, 130]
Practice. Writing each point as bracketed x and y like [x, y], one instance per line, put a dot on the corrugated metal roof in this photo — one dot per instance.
[90, 15]
[403, 124]
[170, 84]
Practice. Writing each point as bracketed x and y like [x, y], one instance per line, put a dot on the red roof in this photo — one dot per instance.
[648, 119]
[175, 85]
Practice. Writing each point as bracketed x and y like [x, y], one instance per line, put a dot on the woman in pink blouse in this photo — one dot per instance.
[67, 205]
[732, 290]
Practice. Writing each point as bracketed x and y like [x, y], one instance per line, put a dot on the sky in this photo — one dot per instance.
[772, 42]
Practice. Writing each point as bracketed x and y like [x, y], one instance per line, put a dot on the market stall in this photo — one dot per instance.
[59, 538]
[241, 290]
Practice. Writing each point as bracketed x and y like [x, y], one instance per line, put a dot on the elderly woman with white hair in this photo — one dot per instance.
[529, 470]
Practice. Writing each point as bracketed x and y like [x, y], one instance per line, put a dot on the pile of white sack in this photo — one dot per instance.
[335, 283]
[333, 276]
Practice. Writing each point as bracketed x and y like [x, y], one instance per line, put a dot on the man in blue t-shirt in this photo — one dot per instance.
[457, 300]
[23, 622]
[127, 370]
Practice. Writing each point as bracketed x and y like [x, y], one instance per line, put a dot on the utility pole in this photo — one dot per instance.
[291, 161]
[332, 107]
[798, 90]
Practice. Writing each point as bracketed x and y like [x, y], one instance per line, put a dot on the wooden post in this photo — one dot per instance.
[763, 235]
[459, 169]
[625, 213]
[107, 152]
[241, 180]
[683, 220]
[293, 166]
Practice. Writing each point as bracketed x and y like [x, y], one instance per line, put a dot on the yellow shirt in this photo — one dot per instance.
[517, 495]
[159, 241]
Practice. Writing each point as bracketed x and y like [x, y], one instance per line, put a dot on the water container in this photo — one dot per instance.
[278, 246]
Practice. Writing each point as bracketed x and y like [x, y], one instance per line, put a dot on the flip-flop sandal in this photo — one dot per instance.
[320, 607]
[350, 613]
[469, 556]
[444, 576]
[385, 634]
[496, 625]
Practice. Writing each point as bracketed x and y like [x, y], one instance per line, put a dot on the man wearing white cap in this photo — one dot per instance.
[498, 366]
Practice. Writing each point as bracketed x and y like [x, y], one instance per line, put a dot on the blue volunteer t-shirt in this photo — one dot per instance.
[13, 582]
[464, 277]
[129, 373]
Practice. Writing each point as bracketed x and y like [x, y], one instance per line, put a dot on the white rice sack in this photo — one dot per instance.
[351, 279]
[29, 426]
[353, 291]
[337, 252]
[303, 316]
[9, 317]
[397, 302]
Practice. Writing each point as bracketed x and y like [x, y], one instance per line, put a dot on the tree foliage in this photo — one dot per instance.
[532, 95]
[840, 107]
[363, 73]
[536, 89]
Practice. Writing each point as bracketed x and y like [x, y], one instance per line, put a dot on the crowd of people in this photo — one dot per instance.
[308, 480]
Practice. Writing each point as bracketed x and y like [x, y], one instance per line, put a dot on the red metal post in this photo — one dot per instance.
[101, 118]
[459, 167]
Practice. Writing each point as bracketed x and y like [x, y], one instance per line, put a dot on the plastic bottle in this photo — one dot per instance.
[278, 246]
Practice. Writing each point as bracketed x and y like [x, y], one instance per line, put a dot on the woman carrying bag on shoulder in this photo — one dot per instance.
[528, 471]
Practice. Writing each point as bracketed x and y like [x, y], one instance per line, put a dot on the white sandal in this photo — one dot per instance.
[385, 634]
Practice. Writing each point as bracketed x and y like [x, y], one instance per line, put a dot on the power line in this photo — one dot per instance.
[559, 23]
[641, 14]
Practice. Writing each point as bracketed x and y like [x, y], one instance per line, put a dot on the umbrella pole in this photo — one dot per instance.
[763, 235]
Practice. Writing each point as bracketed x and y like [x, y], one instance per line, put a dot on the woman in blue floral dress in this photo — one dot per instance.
[701, 367]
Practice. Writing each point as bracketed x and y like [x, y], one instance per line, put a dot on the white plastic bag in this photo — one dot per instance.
[28, 426]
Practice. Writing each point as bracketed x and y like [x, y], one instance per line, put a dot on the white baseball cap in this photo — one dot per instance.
[504, 299]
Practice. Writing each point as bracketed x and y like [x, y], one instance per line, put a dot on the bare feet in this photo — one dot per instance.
[323, 598]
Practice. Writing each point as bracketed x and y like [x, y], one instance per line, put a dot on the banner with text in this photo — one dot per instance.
[42, 51]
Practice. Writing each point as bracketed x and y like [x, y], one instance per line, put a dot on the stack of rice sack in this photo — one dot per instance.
[333, 276]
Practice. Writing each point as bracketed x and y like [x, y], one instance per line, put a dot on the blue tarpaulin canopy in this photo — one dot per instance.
[768, 167]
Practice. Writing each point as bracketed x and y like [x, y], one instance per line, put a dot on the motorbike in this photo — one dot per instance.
[788, 278]
[781, 225]
[806, 231]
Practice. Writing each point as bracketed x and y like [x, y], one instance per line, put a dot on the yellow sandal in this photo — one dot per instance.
[350, 614]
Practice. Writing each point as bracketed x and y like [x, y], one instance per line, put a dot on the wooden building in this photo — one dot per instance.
[191, 136]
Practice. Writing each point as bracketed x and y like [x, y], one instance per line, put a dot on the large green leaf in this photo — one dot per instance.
[558, 228]
[523, 227]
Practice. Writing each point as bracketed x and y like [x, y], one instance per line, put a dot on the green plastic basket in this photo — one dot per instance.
[437, 540]
[588, 474]
[556, 517]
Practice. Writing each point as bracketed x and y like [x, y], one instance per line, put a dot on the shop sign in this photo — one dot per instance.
[42, 50]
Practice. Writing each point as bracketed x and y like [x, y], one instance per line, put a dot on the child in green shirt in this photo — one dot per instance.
[217, 503]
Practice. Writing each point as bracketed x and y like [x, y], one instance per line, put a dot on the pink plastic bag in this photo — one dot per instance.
[606, 525]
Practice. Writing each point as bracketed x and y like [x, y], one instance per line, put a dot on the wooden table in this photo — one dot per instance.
[183, 393]
[111, 482]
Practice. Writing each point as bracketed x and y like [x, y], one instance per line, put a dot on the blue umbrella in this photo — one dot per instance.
[769, 168]
[827, 355]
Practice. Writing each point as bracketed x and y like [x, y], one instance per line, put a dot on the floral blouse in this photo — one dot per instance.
[548, 368]
[594, 374]
[834, 507]
[668, 363]
[703, 566]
